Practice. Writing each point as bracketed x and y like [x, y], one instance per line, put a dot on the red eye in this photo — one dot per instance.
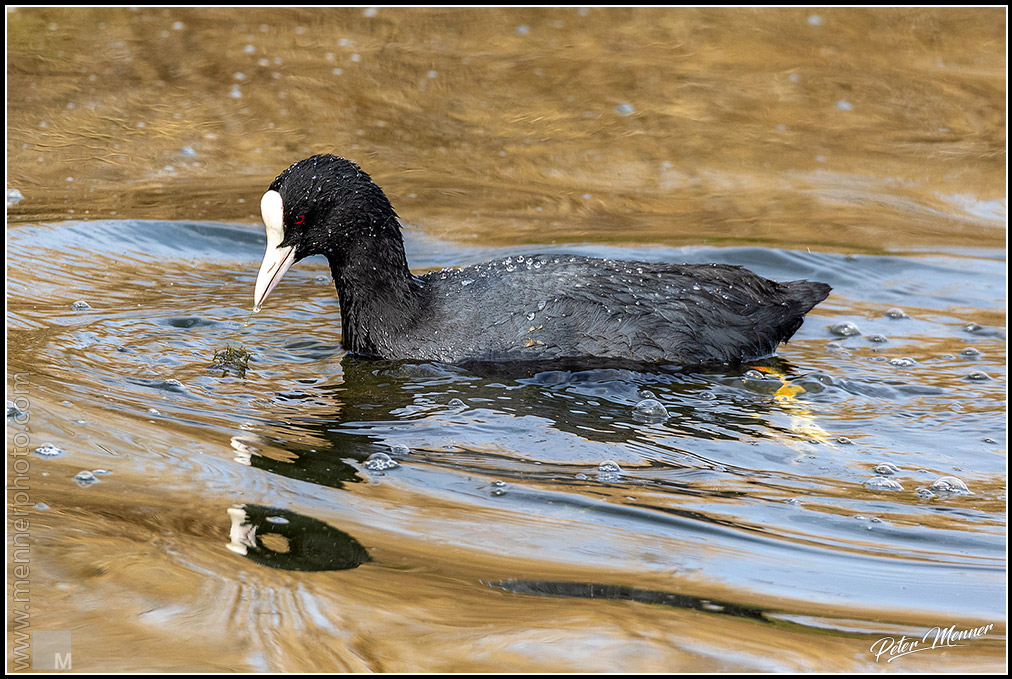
[300, 219]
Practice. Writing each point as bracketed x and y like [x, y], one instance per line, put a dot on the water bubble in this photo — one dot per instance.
[949, 484]
[877, 338]
[978, 376]
[49, 450]
[85, 478]
[970, 352]
[378, 462]
[844, 441]
[497, 492]
[609, 467]
[886, 469]
[81, 305]
[280, 520]
[793, 501]
[753, 374]
[581, 477]
[972, 327]
[187, 151]
[14, 197]
[609, 477]
[650, 410]
[882, 483]
[904, 362]
[400, 449]
[625, 109]
[13, 410]
[924, 493]
[845, 329]
[896, 313]
[456, 403]
[41, 506]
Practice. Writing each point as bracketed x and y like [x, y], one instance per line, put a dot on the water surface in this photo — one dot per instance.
[778, 516]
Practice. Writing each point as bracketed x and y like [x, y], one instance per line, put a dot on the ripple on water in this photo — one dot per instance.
[724, 452]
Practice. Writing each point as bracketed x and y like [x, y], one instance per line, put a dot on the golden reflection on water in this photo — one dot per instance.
[863, 130]
[526, 125]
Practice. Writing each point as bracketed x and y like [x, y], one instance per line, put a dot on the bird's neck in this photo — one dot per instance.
[380, 299]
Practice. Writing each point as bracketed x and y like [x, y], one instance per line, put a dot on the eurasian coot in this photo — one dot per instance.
[539, 308]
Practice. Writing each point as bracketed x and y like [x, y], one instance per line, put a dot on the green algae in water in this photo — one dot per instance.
[232, 358]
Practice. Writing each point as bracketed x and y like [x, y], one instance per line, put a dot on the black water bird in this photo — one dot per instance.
[524, 308]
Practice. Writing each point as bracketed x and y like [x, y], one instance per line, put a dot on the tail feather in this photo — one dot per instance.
[801, 296]
[804, 295]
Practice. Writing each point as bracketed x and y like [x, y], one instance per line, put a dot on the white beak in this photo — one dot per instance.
[277, 259]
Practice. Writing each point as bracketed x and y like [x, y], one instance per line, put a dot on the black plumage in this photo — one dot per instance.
[523, 308]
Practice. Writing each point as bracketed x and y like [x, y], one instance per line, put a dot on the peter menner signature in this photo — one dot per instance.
[936, 637]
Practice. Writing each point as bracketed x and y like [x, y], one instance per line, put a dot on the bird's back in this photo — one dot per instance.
[553, 307]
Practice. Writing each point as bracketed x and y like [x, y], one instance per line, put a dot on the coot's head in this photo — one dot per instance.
[322, 205]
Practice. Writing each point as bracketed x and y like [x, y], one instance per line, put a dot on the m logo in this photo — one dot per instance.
[51, 651]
